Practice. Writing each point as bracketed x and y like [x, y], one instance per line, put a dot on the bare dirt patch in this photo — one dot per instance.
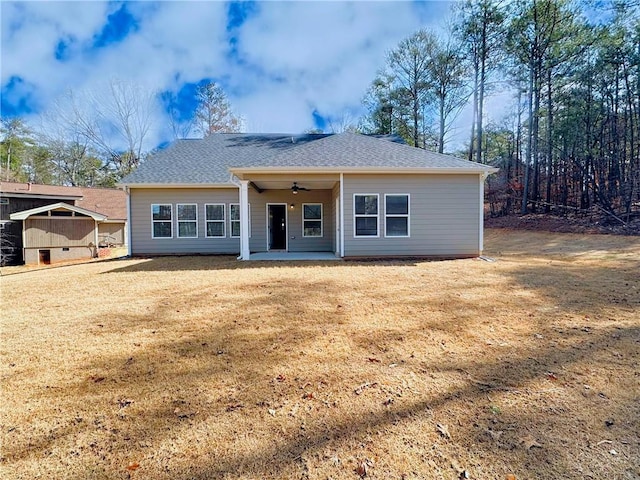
[205, 367]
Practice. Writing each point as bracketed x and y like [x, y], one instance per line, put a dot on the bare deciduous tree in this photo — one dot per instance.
[115, 121]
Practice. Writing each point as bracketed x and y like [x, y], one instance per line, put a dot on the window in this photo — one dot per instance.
[187, 220]
[396, 215]
[365, 208]
[4, 201]
[215, 221]
[161, 219]
[234, 219]
[311, 219]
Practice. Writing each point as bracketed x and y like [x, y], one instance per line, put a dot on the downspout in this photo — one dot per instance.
[127, 225]
[341, 213]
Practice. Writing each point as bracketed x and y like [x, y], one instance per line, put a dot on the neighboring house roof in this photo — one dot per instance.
[34, 190]
[213, 159]
[57, 206]
[110, 202]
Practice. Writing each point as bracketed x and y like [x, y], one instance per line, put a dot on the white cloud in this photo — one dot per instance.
[31, 32]
[323, 54]
[292, 57]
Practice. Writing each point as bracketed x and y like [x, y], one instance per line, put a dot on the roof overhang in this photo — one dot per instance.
[244, 172]
[177, 185]
[57, 206]
[42, 196]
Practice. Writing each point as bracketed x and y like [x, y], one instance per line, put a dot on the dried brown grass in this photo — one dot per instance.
[205, 367]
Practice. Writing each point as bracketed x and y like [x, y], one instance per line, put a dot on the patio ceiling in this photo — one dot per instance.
[285, 181]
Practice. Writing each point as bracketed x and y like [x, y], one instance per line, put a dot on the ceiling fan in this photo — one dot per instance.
[295, 188]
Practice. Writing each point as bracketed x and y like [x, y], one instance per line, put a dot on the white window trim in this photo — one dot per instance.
[230, 228]
[398, 215]
[178, 205]
[158, 221]
[355, 216]
[321, 220]
[223, 221]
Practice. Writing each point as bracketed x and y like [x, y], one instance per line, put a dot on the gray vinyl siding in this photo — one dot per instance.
[142, 242]
[444, 215]
[296, 241]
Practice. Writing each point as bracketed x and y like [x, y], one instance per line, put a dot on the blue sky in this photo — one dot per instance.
[286, 66]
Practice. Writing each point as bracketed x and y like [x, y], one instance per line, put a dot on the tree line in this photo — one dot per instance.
[93, 139]
[573, 137]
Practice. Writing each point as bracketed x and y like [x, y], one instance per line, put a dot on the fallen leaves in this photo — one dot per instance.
[444, 430]
[529, 442]
[363, 467]
[234, 406]
[183, 414]
[364, 386]
[124, 402]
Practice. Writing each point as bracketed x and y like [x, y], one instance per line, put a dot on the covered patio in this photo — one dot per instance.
[294, 256]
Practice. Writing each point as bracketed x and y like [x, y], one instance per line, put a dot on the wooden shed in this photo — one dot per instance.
[60, 221]
[59, 232]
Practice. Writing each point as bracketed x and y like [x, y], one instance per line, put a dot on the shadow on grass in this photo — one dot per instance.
[238, 348]
[216, 262]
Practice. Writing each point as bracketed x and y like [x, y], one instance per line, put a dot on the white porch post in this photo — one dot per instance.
[244, 220]
[95, 235]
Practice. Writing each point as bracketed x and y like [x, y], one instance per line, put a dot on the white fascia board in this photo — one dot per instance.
[35, 211]
[360, 170]
[177, 185]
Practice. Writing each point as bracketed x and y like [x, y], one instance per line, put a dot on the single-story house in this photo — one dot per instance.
[52, 223]
[349, 194]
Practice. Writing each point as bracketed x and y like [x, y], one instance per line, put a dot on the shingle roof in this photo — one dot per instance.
[35, 189]
[209, 160]
[111, 202]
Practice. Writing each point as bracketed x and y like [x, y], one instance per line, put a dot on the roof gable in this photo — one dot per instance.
[57, 206]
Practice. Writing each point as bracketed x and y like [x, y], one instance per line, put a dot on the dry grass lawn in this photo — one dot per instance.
[209, 368]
